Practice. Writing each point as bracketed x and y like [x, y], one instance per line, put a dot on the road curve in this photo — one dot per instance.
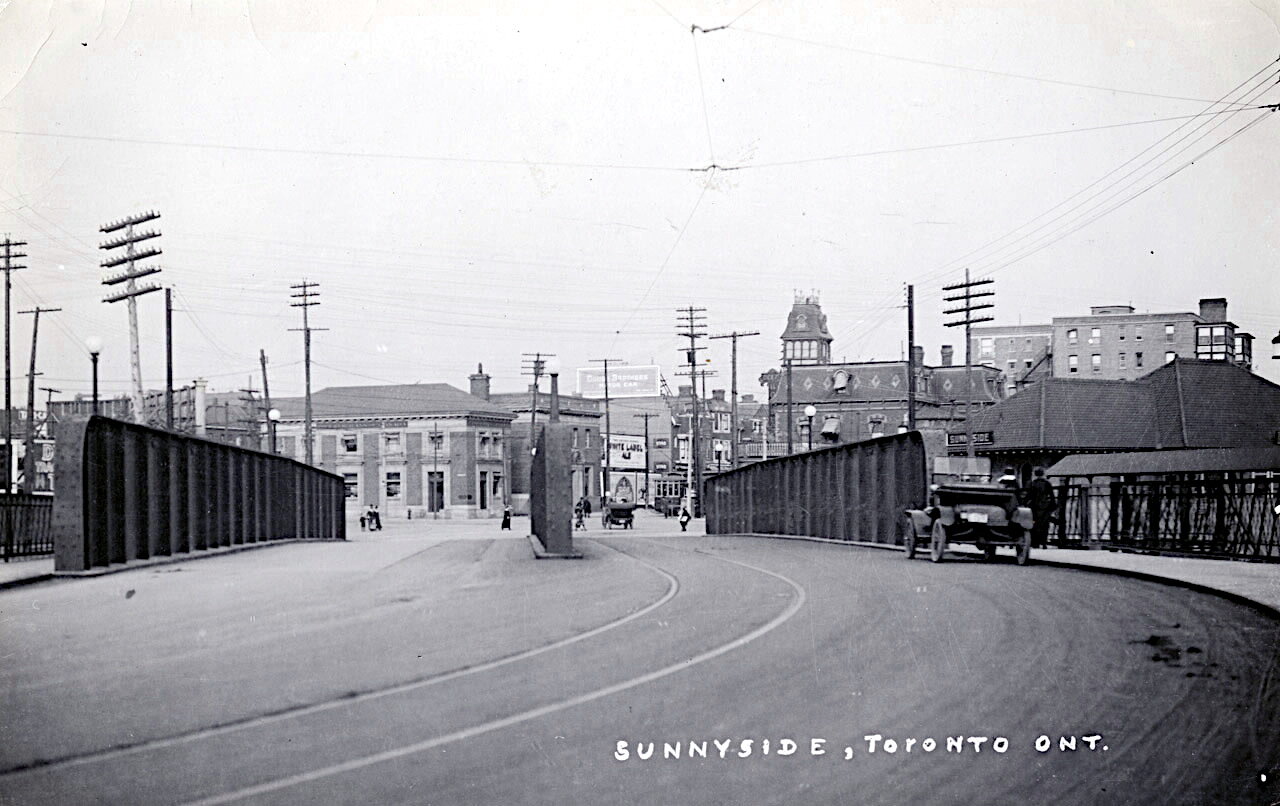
[789, 642]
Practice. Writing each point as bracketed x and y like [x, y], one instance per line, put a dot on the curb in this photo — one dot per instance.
[539, 553]
[171, 559]
[22, 581]
[1145, 576]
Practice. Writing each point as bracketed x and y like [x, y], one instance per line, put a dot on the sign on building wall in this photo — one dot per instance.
[626, 453]
[624, 381]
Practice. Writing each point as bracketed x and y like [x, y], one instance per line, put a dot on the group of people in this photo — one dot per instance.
[371, 519]
[581, 511]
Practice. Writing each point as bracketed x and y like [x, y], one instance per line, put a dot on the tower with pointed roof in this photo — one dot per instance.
[806, 339]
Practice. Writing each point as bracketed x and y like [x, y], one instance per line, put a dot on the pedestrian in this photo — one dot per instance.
[578, 512]
[1043, 502]
[377, 518]
[685, 517]
[362, 521]
[586, 506]
[506, 518]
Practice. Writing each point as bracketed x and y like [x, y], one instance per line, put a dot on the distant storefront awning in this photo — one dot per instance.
[831, 426]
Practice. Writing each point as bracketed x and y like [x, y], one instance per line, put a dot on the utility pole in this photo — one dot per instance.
[608, 424]
[533, 364]
[266, 390]
[9, 268]
[132, 290]
[733, 411]
[911, 358]
[168, 359]
[307, 297]
[29, 476]
[691, 324]
[250, 418]
[966, 310]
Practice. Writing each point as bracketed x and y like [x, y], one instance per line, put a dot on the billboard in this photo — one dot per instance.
[625, 453]
[624, 381]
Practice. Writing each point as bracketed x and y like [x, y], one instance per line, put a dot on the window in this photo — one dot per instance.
[586, 437]
[1168, 333]
[1073, 336]
[391, 441]
[1122, 361]
[1137, 359]
[1122, 333]
[1027, 364]
[349, 443]
[1095, 361]
[351, 485]
[1169, 356]
[575, 437]
[682, 449]
[1137, 332]
[1012, 365]
[986, 346]
[393, 484]
[1073, 363]
[1095, 335]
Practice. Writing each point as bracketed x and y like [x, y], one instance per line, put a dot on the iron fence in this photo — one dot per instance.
[1220, 518]
[856, 491]
[126, 492]
[25, 525]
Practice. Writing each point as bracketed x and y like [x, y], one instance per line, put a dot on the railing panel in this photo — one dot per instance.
[848, 492]
[25, 525]
[127, 492]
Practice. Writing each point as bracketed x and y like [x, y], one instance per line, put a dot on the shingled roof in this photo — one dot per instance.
[392, 400]
[1184, 404]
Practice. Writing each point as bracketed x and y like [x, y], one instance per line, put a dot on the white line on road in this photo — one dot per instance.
[515, 719]
[673, 587]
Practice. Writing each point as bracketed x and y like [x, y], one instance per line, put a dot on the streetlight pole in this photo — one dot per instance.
[94, 345]
[809, 412]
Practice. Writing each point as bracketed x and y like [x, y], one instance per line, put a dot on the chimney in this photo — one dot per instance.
[947, 353]
[717, 394]
[917, 356]
[200, 384]
[747, 399]
[1214, 309]
[479, 383]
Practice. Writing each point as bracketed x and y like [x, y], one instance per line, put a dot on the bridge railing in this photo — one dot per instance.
[856, 491]
[126, 492]
[24, 525]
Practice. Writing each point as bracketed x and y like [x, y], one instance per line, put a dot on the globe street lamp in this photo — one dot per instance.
[273, 417]
[1275, 346]
[809, 412]
[94, 345]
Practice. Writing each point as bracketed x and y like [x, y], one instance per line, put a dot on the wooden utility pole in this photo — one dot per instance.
[9, 268]
[790, 429]
[132, 290]
[608, 424]
[911, 358]
[968, 295]
[733, 411]
[29, 476]
[168, 359]
[534, 364]
[691, 322]
[307, 297]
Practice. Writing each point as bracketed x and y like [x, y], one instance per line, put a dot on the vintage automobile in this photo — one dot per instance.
[986, 515]
[619, 513]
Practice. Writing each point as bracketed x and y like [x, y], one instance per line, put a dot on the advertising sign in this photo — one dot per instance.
[624, 381]
[626, 453]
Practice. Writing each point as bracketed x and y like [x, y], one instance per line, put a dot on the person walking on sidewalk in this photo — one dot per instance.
[1043, 502]
[685, 517]
[506, 518]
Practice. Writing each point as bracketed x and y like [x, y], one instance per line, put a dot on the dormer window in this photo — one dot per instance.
[801, 322]
[840, 381]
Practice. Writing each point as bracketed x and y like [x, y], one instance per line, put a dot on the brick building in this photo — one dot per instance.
[420, 450]
[1187, 403]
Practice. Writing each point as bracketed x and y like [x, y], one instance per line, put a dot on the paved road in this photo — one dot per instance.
[441, 666]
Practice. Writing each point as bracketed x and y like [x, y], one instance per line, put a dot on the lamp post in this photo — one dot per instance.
[809, 412]
[1275, 346]
[273, 417]
[94, 345]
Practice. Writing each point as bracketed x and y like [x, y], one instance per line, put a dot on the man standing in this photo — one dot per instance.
[1042, 502]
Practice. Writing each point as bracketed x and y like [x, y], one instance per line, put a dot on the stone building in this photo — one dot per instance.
[412, 450]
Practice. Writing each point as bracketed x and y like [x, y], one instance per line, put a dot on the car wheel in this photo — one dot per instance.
[939, 543]
[1022, 553]
[909, 536]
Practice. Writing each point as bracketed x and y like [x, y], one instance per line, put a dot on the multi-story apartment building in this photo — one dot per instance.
[1022, 352]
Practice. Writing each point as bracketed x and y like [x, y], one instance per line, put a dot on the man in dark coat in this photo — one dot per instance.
[1043, 502]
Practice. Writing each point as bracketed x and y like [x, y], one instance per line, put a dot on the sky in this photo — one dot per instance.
[468, 182]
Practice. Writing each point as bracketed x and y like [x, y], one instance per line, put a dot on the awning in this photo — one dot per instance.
[1197, 460]
[831, 426]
